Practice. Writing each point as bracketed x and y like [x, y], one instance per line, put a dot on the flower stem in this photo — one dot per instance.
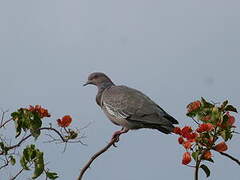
[198, 161]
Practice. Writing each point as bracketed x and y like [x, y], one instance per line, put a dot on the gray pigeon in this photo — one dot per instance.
[128, 107]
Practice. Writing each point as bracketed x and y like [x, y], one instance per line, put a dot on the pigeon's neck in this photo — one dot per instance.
[101, 88]
[104, 85]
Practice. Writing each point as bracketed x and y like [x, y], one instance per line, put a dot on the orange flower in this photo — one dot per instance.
[186, 158]
[187, 144]
[193, 106]
[65, 121]
[180, 140]
[41, 111]
[231, 119]
[205, 127]
[192, 136]
[186, 131]
[207, 155]
[221, 147]
[177, 130]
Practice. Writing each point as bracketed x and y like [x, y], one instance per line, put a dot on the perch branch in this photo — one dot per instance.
[230, 157]
[87, 165]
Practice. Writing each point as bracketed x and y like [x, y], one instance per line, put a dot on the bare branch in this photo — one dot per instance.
[230, 157]
[14, 177]
[6, 162]
[111, 143]
[56, 131]
[65, 140]
[4, 123]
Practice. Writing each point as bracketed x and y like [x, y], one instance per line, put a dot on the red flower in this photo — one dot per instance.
[207, 155]
[221, 147]
[187, 144]
[192, 136]
[180, 140]
[186, 158]
[41, 111]
[186, 131]
[177, 130]
[205, 127]
[65, 121]
[231, 119]
[193, 106]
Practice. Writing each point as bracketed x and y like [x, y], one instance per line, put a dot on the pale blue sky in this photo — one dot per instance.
[174, 51]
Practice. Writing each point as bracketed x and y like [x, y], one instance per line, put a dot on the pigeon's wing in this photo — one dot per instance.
[136, 107]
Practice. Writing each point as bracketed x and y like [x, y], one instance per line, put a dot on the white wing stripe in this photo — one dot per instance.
[114, 112]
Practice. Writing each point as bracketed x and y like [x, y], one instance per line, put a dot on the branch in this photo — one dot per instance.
[111, 143]
[4, 123]
[230, 157]
[17, 174]
[19, 143]
[6, 163]
[56, 131]
[25, 138]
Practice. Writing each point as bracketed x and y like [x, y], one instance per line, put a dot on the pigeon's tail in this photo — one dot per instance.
[167, 128]
[170, 118]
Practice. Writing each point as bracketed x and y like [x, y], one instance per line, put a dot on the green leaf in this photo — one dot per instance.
[223, 135]
[226, 134]
[35, 124]
[210, 160]
[26, 154]
[224, 104]
[195, 155]
[206, 104]
[205, 169]
[231, 108]
[35, 133]
[14, 115]
[51, 175]
[39, 165]
[23, 163]
[18, 127]
[12, 160]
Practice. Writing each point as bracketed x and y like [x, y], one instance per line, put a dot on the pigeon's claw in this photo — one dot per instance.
[116, 135]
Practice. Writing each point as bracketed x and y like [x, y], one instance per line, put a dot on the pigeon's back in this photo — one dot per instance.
[136, 108]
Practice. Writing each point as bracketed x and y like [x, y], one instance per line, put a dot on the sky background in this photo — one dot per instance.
[173, 51]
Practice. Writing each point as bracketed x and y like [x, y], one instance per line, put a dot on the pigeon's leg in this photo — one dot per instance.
[118, 133]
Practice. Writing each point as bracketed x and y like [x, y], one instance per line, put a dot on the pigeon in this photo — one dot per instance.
[128, 107]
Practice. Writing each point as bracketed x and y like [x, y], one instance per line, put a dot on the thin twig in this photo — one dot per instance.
[7, 121]
[195, 121]
[25, 138]
[19, 143]
[6, 162]
[236, 132]
[83, 170]
[230, 157]
[56, 131]
[17, 174]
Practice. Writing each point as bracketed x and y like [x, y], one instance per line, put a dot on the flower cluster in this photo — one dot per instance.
[213, 122]
[65, 121]
[41, 111]
[187, 136]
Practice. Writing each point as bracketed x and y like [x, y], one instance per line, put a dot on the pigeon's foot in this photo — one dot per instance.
[117, 134]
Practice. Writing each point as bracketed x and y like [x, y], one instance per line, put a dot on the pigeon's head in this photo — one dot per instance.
[98, 79]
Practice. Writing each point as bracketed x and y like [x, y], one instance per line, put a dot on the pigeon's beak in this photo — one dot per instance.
[87, 83]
